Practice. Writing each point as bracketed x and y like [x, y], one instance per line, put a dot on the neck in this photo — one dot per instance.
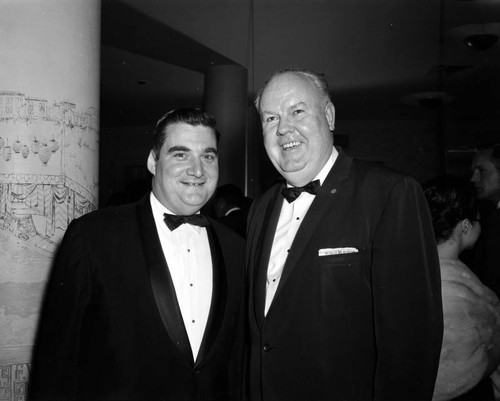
[449, 250]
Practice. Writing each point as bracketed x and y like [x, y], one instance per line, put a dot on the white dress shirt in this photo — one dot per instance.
[291, 217]
[189, 260]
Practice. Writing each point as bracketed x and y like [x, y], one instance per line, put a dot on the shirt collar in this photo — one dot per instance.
[157, 206]
[159, 210]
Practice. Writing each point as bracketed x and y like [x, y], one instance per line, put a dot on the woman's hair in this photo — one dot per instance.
[451, 199]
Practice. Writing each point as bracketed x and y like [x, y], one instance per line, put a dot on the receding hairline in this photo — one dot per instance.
[317, 80]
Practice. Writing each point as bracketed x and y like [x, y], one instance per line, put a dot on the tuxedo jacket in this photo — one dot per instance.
[111, 327]
[487, 252]
[362, 325]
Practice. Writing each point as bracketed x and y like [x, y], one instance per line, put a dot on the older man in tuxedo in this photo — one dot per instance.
[145, 299]
[345, 299]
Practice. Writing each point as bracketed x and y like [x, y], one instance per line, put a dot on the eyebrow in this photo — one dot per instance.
[178, 149]
[299, 104]
[211, 150]
[174, 149]
[293, 106]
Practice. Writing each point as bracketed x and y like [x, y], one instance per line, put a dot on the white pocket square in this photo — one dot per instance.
[336, 251]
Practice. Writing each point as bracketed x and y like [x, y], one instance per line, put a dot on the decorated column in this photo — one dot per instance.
[49, 136]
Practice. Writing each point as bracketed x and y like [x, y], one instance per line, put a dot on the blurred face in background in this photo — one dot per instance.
[486, 177]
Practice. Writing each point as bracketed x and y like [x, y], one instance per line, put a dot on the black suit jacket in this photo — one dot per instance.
[358, 326]
[487, 252]
[111, 327]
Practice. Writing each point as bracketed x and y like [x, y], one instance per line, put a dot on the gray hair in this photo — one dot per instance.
[318, 79]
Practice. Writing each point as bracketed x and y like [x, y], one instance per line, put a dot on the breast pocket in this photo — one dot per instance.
[344, 283]
[347, 260]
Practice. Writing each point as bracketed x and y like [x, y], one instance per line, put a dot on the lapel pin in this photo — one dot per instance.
[333, 191]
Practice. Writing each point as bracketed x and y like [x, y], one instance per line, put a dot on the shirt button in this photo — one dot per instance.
[266, 347]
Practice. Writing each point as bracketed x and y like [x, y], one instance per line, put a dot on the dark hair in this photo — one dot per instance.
[451, 199]
[189, 116]
[318, 79]
[495, 152]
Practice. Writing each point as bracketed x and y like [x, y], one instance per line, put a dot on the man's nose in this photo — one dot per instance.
[195, 167]
[285, 126]
[475, 176]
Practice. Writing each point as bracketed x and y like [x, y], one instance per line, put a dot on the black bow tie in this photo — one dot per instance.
[173, 221]
[293, 193]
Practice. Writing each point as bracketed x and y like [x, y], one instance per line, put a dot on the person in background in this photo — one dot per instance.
[145, 300]
[345, 290]
[471, 343]
[486, 178]
[231, 207]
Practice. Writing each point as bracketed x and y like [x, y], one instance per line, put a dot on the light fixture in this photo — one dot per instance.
[477, 37]
[481, 41]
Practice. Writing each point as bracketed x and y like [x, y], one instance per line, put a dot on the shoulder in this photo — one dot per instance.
[265, 199]
[104, 220]
[370, 171]
[379, 182]
[227, 235]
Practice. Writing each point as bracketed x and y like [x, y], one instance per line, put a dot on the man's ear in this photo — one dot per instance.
[151, 163]
[330, 115]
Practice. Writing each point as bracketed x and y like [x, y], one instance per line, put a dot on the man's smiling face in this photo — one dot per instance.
[186, 170]
[296, 123]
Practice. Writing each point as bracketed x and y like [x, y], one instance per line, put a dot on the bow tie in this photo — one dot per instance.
[293, 193]
[173, 221]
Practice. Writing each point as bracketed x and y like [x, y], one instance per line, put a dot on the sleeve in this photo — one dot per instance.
[407, 297]
[57, 344]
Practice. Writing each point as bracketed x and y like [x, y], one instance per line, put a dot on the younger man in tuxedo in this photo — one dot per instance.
[144, 302]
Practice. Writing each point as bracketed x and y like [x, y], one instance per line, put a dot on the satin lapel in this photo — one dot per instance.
[326, 200]
[263, 252]
[219, 296]
[161, 281]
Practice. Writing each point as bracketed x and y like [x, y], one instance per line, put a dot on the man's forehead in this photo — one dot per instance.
[287, 96]
[190, 137]
[483, 158]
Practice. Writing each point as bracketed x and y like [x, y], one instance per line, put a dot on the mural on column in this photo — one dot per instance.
[48, 177]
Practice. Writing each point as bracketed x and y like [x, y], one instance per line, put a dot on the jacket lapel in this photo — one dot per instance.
[263, 251]
[326, 200]
[161, 281]
[219, 295]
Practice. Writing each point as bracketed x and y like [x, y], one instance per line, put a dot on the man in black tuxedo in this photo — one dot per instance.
[143, 303]
[486, 178]
[345, 292]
